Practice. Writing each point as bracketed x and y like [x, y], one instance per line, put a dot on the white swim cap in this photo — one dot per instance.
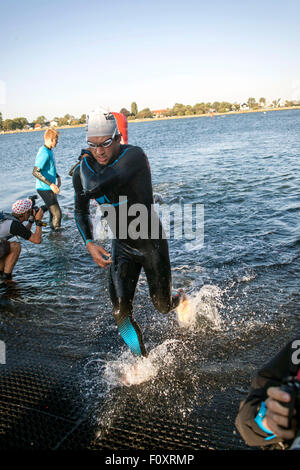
[21, 206]
[99, 124]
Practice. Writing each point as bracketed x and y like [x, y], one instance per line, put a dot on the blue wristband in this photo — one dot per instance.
[259, 421]
[87, 241]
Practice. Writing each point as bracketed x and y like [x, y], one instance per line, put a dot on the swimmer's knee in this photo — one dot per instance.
[54, 208]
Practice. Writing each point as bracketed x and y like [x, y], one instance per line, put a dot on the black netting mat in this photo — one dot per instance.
[44, 402]
[40, 402]
[42, 407]
[140, 430]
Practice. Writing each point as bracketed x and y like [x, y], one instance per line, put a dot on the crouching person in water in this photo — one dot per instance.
[11, 225]
[109, 171]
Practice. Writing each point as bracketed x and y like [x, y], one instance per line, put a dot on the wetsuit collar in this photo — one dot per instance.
[122, 148]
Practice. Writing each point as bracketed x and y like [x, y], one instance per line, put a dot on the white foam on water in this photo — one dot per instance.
[130, 370]
[202, 305]
[247, 278]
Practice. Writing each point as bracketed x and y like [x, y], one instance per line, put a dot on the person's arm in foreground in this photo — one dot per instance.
[260, 414]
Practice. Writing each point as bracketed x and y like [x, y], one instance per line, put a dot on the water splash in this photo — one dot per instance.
[101, 230]
[204, 305]
[130, 370]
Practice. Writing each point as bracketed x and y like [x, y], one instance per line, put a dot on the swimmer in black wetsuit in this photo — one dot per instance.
[119, 176]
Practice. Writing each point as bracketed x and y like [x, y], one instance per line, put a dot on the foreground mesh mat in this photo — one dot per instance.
[138, 430]
[39, 403]
[42, 407]
[44, 402]
[141, 431]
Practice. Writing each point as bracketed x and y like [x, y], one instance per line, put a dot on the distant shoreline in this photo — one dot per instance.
[265, 110]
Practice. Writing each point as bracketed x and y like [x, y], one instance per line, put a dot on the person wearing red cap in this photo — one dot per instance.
[11, 225]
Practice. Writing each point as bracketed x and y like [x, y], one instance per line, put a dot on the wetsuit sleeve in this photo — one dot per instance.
[97, 181]
[271, 375]
[37, 173]
[40, 161]
[18, 229]
[82, 211]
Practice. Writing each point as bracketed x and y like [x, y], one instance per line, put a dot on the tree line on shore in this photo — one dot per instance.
[178, 109]
[205, 108]
[20, 123]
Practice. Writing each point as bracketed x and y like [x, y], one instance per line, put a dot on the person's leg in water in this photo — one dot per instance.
[55, 216]
[8, 261]
[158, 272]
[124, 275]
[50, 199]
[4, 251]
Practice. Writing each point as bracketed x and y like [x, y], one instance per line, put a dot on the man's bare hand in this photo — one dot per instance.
[39, 215]
[54, 188]
[277, 415]
[97, 252]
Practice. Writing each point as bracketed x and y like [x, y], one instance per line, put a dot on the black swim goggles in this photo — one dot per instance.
[105, 144]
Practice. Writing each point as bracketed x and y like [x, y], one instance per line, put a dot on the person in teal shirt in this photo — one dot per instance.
[48, 181]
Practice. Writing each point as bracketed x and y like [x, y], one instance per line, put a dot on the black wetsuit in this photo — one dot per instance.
[128, 176]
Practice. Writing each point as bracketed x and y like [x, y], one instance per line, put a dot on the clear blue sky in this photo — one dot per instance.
[69, 56]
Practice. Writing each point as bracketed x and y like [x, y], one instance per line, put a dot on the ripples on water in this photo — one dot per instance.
[244, 281]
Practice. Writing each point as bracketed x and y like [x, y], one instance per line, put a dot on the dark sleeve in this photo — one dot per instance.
[18, 229]
[38, 174]
[96, 181]
[271, 375]
[82, 211]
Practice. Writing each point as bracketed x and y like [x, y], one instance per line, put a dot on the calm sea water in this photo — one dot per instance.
[244, 280]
